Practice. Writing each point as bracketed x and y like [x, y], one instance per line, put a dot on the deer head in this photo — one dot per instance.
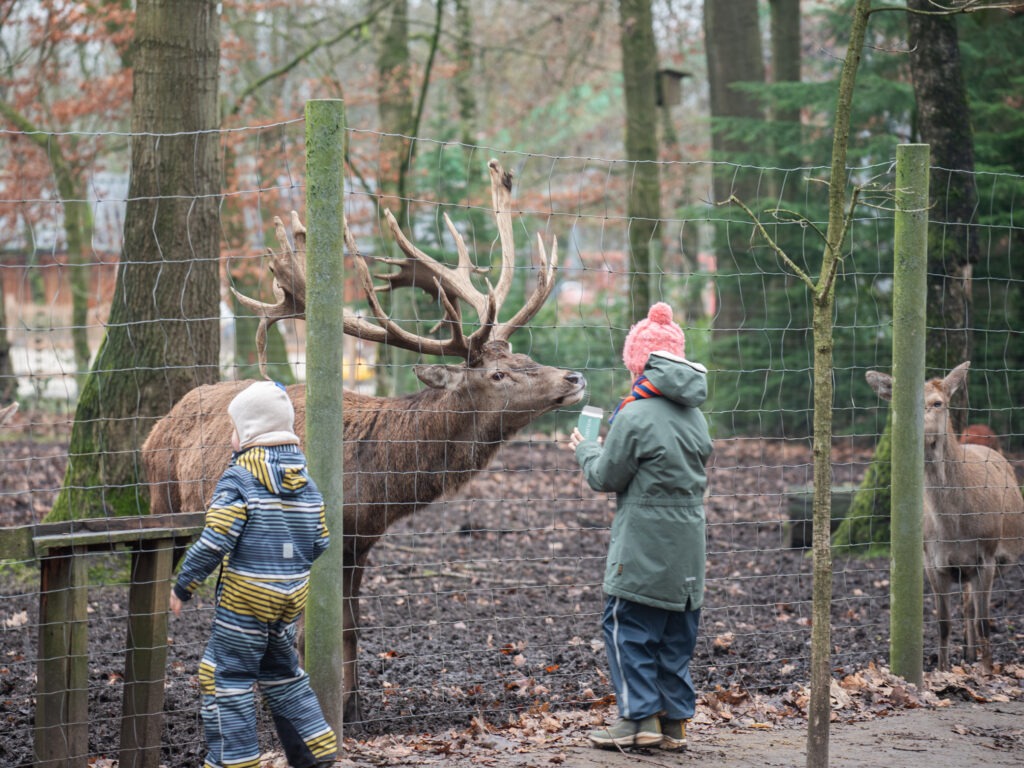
[449, 286]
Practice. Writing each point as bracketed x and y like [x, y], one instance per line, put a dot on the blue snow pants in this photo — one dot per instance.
[245, 650]
[649, 651]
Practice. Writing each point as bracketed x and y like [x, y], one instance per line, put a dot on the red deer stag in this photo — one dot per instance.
[973, 516]
[400, 453]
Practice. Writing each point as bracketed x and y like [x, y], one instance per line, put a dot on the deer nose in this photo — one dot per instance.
[576, 379]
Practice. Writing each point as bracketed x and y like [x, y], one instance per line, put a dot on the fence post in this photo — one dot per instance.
[325, 170]
[62, 698]
[908, 314]
[142, 717]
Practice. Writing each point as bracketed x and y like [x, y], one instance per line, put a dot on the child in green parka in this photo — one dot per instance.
[653, 459]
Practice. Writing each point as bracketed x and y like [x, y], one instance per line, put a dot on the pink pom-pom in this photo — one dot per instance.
[660, 313]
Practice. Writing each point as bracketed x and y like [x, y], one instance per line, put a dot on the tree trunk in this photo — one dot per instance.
[395, 108]
[163, 336]
[8, 381]
[865, 531]
[734, 55]
[943, 118]
[78, 229]
[786, 59]
[819, 709]
[465, 92]
[639, 70]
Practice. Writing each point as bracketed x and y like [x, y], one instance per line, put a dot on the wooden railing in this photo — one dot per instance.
[62, 716]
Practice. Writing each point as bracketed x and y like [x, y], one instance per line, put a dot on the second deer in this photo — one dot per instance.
[973, 516]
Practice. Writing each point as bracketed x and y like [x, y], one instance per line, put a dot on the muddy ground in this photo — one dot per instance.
[481, 639]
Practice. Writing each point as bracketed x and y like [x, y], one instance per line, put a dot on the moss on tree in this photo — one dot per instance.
[866, 529]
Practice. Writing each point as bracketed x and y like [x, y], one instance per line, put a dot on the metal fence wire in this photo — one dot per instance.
[485, 604]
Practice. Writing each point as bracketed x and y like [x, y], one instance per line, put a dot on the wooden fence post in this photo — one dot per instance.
[906, 633]
[325, 222]
[62, 700]
[146, 654]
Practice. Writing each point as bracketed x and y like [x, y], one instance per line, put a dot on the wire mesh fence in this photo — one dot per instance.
[486, 602]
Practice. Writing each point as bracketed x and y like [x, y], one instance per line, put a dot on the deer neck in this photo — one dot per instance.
[452, 417]
[943, 461]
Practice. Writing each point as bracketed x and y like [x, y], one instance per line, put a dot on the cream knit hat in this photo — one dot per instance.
[657, 333]
[263, 415]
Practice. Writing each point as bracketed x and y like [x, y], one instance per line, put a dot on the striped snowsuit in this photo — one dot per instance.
[266, 526]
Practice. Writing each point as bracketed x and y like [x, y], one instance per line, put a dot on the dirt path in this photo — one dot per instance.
[962, 735]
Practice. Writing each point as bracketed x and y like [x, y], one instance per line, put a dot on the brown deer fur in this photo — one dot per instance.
[973, 516]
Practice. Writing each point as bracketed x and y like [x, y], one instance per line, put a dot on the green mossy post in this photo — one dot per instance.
[325, 224]
[908, 352]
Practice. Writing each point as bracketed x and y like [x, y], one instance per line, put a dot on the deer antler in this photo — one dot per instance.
[289, 269]
[448, 285]
[501, 196]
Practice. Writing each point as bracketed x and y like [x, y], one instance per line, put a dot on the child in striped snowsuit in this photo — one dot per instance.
[264, 528]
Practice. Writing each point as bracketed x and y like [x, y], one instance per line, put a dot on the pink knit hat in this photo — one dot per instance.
[655, 334]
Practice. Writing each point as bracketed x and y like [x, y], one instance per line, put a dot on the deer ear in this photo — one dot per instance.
[440, 376]
[881, 383]
[956, 378]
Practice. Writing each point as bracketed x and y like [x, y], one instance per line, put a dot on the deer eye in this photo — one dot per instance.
[497, 376]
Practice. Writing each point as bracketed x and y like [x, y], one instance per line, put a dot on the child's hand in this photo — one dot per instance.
[577, 437]
[175, 604]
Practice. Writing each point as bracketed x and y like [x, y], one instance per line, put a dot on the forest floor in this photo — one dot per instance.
[480, 640]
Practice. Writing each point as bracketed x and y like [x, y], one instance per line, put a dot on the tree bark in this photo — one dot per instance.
[465, 92]
[639, 70]
[78, 229]
[395, 109]
[734, 55]
[163, 337]
[943, 119]
[8, 381]
[819, 709]
[786, 65]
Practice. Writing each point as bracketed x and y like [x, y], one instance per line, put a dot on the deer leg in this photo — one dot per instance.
[982, 614]
[941, 583]
[969, 595]
[351, 581]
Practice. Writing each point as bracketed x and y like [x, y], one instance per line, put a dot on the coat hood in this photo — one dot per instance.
[281, 469]
[678, 379]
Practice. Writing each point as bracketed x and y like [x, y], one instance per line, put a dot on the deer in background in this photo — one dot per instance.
[400, 453]
[980, 434]
[973, 516]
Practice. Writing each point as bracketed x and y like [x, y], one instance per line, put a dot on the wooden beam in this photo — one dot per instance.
[146, 656]
[62, 700]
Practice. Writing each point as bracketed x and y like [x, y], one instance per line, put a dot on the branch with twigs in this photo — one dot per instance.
[825, 283]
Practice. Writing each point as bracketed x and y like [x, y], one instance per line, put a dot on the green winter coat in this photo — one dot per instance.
[653, 459]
